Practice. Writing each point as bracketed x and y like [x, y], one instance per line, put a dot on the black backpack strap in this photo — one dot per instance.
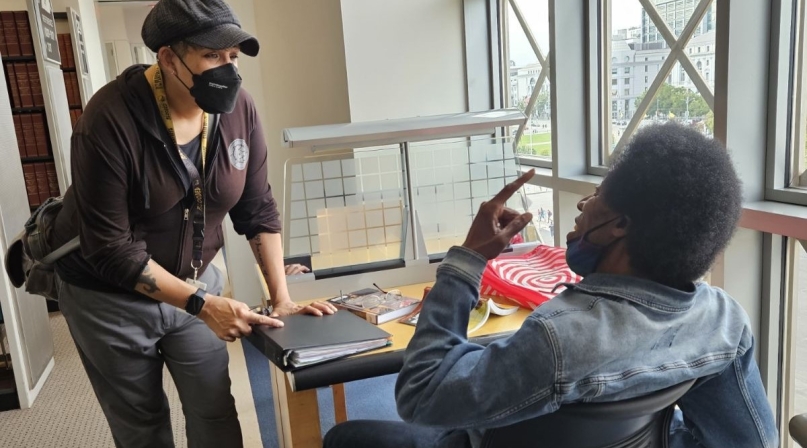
[66, 248]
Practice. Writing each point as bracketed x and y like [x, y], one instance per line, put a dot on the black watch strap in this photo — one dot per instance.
[195, 302]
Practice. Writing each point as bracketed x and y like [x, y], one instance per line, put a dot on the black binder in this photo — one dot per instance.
[342, 331]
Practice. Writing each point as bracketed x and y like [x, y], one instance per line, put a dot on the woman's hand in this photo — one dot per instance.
[230, 319]
[287, 308]
[294, 269]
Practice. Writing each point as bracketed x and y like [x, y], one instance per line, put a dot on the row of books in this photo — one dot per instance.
[75, 114]
[73, 92]
[41, 182]
[32, 135]
[66, 51]
[15, 34]
[25, 89]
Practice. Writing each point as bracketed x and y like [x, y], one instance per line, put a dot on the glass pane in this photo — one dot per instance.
[800, 329]
[346, 209]
[524, 72]
[540, 204]
[638, 55]
[451, 179]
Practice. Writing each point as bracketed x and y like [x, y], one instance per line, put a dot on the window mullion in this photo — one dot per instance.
[531, 105]
[697, 79]
[665, 70]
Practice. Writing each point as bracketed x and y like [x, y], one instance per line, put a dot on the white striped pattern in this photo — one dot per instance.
[528, 279]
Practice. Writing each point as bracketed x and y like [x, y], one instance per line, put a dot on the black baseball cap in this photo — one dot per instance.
[206, 23]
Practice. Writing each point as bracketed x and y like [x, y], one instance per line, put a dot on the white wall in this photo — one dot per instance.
[134, 16]
[250, 68]
[112, 23]
[404, 58]
[13, 5]
[300, 79]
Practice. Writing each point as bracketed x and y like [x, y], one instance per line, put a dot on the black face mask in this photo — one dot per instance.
[215, 90]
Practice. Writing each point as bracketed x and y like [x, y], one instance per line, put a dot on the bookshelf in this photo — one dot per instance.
[71, 78]
[27, 107]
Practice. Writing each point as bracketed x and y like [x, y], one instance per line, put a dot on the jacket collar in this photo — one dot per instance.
[140, 101]
[641, 291]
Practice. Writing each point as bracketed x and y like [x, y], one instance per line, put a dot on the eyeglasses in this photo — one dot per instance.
[374, 300]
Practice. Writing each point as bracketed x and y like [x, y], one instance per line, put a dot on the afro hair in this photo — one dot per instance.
[683, 198]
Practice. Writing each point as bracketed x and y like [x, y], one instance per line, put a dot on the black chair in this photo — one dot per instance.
[798, 429]
[641, 422]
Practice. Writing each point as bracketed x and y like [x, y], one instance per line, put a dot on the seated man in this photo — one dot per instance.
[640, 320]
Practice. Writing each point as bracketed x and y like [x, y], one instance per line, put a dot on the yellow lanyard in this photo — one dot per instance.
[155, 77]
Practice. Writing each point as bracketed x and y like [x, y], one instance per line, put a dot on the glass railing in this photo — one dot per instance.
[394, 192]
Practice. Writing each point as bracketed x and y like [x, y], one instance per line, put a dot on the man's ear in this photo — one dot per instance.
[620, 229]
[168, 59]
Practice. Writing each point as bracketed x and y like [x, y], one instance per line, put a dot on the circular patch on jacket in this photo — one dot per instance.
[239, 153]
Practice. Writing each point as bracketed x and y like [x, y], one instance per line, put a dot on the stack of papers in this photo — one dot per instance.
[309, 356]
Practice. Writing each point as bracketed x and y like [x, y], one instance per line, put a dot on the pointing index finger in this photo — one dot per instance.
[510, 189]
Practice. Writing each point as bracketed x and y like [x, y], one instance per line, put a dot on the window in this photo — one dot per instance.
[796, 177]
[627, 81]
[539, 202]
[532, 95]
[795, 372]
[678, 99]
[613, 82]
[645, 79]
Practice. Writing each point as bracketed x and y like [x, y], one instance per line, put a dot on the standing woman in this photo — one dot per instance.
[159, 157]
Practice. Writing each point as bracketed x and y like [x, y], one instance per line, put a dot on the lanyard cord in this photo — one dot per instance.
[155, 79]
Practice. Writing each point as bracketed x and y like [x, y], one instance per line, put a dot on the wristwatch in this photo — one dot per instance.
[195, 302]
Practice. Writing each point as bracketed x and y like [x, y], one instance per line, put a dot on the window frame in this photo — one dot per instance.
[600, 41]
[502, 7]
[786, 93]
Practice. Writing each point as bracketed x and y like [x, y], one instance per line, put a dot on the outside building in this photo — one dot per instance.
[676, 13]
[637, 55]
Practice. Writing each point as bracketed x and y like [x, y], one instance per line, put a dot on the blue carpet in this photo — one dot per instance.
[367, 399]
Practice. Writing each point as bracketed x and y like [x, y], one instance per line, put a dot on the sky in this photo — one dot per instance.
[625, 14]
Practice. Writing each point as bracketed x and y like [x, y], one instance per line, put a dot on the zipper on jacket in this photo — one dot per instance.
[185, 214]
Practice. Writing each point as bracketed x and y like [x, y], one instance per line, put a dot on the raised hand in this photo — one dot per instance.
[495, 224]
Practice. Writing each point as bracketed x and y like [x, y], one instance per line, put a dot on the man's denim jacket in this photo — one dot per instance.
[607, 338]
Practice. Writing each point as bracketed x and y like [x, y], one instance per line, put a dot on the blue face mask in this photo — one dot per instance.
[583, 256]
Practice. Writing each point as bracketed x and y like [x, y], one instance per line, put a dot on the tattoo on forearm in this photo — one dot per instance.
[259, 255]
[147, 281]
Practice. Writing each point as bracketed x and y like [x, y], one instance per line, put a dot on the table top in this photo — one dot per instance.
[402, 333]
[390, 359]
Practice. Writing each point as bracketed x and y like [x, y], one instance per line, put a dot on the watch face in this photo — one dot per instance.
[195, 303]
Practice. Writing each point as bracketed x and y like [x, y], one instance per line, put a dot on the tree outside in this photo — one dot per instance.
[676, 102]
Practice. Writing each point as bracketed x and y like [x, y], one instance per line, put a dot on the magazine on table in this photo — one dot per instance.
[479, 315]
[375, 305]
